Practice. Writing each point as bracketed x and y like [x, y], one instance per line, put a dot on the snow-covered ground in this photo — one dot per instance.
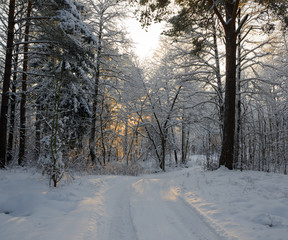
[184, 204]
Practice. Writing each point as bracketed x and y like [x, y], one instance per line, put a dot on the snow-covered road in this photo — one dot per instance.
[184, 204]
[148, 209]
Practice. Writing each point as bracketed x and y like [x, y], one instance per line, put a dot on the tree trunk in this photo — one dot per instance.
[6, 84]
[238, 103]
[102, 133]
[11, 124]
[12, 110]
[184, 142]
[163, 152]
[94, 110]
[95, 96]
[125, 147]
[227, 151]
[218, 77]
[38, 133]
[24, 89]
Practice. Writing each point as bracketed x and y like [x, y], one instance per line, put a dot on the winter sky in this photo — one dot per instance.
[146, 41]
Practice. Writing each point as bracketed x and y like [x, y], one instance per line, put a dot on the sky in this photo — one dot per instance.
[146, 41]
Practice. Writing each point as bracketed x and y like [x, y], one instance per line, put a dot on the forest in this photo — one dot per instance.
[76, 97]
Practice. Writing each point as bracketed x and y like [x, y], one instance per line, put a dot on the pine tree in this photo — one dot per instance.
[6, 84]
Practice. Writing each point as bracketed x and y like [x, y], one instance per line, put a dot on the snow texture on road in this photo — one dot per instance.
[148, 209]
[118, 218]
[189, 204]
[163, 214]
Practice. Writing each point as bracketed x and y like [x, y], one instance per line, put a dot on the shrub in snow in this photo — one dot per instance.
[121, 168]
[51, 160]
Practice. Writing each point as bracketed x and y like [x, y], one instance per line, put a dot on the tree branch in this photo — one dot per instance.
[241, 24]
[216, 11]
[235, 9]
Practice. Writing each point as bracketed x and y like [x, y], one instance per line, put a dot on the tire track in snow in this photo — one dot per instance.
[119, 223]
[96, 205]
[192, 221]
[159, 213]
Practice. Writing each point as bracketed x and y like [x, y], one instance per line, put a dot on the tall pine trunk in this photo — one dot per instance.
[24, 89]
[6, 84]
[227, 151]
[12, 110]
[229, 25]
